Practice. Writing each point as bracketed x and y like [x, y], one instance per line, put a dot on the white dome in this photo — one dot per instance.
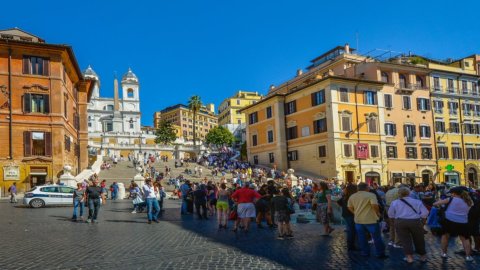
[130, 76]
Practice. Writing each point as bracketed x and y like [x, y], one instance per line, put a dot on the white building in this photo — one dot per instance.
[114, 124]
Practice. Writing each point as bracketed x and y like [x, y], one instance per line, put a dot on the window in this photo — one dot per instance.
[390, 129]
[346, 123]
[407, 104]
[453, 107]
[343, 95]
[322, 151]
[318, 98]
[254, 140]
[305, 131]
[238, 101]
[439, 126]
[108, 126]
[464, 87]
[436, 84]
[320, 126]
[454, 127]
[476, 110]
[374, 153]
[65, 106]
[423, 104]
[450, 86]
[255, 160]
[438, 106]
[474, 88]
[388, 101]
[108, 108]
[392, 152]
[409, 132]
[384, 77]
[403, 81]
[347, 150]
[35, 65]
[372, 124]
[469, 128]
[442, 152]
[270, 136]
[292, 133]
[131, 124]
[370, 98]
[292, 155]
[50, 189]
[67, 143]
[37, 143]
[425, 132]
[456, 152]
[467, 108]
[291, 107]
[419, 82]
[271, 157]
[478, 152]
[269, 112]
[471, 153]
[253, 118]
[411, 152]
[130, 93]
[35, 103]
[426, 153]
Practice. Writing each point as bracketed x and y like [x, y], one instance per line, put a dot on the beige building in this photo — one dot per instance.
[181, 116]
[229, 109]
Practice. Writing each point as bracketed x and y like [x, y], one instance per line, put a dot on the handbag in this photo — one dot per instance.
[233, 214]
[137, 200]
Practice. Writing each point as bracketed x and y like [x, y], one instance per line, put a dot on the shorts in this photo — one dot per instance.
[222, 206]
[212, 202]
[246, 210]
[282, 216]
[456, 229]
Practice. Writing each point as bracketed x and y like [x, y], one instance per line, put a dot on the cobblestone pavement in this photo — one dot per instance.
[47, 239]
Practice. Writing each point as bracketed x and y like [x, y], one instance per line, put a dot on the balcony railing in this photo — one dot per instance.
[411, 87]
[410, 139]
[439, 111]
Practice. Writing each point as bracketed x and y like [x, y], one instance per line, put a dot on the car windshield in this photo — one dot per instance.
[32, 189]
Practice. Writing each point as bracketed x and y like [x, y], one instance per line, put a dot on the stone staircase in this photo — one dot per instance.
[124, 172]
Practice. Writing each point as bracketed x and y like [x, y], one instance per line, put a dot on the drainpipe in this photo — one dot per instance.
[434, 129]
[10, 131]
[460, 111]
[358, 131]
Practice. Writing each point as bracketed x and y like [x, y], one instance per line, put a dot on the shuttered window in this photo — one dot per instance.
[318, 98]
[37, 143]
[388, 101]
[347, 150]
[346, 123]
[374, 153]
[35, 65]
[36, 103]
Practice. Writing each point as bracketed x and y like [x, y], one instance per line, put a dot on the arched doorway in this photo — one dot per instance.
[472, 177]
[452, 177]
[371, 177]
[427, 177]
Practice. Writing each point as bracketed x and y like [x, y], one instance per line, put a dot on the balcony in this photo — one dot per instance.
[439, 111]
[465, 91]
[410, 87]
[409, 139]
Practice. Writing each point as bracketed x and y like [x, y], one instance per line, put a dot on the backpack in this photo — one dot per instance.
[10, 188]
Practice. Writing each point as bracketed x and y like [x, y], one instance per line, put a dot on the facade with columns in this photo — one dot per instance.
[114, 124]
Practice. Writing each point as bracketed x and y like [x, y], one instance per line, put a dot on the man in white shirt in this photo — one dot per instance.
[153, 209]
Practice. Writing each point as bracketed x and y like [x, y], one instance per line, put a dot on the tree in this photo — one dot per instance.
[165, 133]
[194, 104]
[219, 136]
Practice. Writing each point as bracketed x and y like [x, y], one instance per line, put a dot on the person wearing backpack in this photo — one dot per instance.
[455, 222]
[408, 214]
[13, 193]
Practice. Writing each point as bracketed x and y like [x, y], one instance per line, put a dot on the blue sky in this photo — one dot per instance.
[214, 48]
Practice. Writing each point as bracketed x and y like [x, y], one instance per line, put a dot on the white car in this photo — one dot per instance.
[41, 196]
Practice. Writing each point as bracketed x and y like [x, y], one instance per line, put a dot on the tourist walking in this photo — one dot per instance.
[364, 206]
[13, 193]
[281, 209]
[78, 202]
[114, 190]
[409, 214]
[137, 198]
[245, 198]
[348, 216]
[323, 199]
[185, 190]
[391, 196]
[153, 209]
[455, 222]
[222, 206]
[93, 195]
[200, 199]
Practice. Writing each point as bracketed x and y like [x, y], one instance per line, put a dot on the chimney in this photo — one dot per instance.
[347, 48]
[299, 72]
[272, 87]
